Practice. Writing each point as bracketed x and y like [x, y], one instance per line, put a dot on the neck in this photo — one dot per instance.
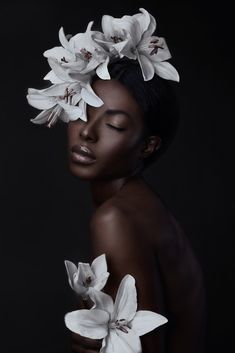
[102, 190]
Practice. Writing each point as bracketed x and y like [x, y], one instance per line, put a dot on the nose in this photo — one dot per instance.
[88, 131]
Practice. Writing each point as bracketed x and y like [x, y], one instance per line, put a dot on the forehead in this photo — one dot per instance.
[116, 96]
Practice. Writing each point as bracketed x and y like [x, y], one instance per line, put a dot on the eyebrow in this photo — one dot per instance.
[117, 111]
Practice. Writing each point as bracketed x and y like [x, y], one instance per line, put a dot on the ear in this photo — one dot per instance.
[152, 144]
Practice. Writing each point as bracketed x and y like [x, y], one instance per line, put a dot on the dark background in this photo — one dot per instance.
[45, 211]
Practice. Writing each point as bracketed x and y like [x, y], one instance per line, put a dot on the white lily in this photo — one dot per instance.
[152, 51]
[57, 101]
[119, 324]
[131, 36]
[80, 54]
[85, 278]
[60, 100]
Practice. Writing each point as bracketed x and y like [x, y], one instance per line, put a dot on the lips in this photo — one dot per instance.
[80, 149]
[82, 154]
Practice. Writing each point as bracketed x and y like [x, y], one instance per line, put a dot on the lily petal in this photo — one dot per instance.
[61, 73]
[33, 91]
[145, 321]
[51, 76]
[144, 20]
[99, 268]
[42, 117]
[111, 343]
[131, 340]
[147, 67]
[64, 117]
[99, 265]
[152, 24]
[63, 40]
[72, 111]
[100, 282]
[82, 105]
[102, 70]
[126, 299]
[166, 70]
[128, 24]
[107, 25]
[80, 290]
[90, 24]
[71, 269]
[88, 323]
[126, 48]
[89, 96]
[41, 102]
[54, 90]
[162, 52]
[102, 300]
[59, 53]
[115, 344]
[85, 272]
[79, 78]
[103, 347]
[76, 66]
[76, 98]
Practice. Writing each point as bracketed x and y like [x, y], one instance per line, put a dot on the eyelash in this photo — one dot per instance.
[116, 128]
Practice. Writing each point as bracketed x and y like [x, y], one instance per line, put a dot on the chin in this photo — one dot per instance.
[87, 173]
[82, 172]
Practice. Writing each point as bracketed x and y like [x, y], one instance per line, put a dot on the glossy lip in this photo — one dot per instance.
[82, 154]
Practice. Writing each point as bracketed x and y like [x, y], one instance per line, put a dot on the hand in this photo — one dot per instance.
[82, 344]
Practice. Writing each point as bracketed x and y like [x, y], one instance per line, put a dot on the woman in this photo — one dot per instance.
[130, 224]
[127, 119]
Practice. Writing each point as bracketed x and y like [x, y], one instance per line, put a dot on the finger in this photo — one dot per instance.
[86, 342]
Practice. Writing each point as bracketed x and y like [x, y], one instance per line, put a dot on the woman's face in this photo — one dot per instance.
[109, 144]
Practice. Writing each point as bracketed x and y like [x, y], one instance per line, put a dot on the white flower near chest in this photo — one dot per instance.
[119, 324]
[85, 278]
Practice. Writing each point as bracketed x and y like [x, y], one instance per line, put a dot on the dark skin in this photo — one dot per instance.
[132, 226]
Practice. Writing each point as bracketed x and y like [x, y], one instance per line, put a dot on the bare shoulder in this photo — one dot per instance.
[110, 214]
[113, 229]
[115, 233]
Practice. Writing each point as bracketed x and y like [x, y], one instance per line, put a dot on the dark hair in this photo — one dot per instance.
[156, 98]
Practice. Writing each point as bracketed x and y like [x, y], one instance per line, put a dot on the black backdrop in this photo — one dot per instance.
[45, 211]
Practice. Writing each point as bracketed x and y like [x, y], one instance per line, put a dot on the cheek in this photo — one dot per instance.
[121, 147]
[72, 133]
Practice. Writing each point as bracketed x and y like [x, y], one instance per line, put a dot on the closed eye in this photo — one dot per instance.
[115, 127]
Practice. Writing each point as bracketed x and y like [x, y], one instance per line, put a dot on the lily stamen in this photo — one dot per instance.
[87, 55]
[52, 119]
[153, 44]
[64, 60]
[121, 325]
[116, 39]
[68, 95]
[88, 280]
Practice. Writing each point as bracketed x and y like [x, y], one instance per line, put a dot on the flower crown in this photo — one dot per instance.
[80, 57]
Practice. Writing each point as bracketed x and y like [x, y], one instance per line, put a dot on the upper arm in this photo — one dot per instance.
[114, 234]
